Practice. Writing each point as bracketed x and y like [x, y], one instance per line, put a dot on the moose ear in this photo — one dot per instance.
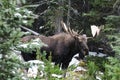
[85, 36]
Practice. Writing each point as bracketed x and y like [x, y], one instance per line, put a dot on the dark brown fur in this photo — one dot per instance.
[63, 47]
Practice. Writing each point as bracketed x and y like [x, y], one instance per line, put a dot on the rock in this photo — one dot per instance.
[33, 71]
[74, 61]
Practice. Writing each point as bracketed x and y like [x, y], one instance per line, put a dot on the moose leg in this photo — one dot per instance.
[28, 56]
[65, 66]
[65, 63]
[57, 60]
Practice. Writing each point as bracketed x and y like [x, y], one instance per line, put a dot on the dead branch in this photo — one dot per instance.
[29, 30]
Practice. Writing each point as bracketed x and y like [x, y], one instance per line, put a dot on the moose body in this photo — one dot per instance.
[62, 47]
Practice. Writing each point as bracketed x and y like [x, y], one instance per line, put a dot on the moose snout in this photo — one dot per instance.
[86, 51]
[82, 54]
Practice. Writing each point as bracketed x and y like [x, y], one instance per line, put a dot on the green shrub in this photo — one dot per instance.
[112, 69]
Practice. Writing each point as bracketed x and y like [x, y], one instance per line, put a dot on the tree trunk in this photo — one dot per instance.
[68, 15]
[59, 17]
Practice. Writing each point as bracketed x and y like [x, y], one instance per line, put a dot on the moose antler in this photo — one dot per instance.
[72, 32]
[64, 26]
[68, 29]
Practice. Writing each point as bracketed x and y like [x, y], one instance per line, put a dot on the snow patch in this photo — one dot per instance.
[74, 61]
[98, 55]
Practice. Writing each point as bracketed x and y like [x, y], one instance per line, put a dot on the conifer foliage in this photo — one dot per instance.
[11, 17]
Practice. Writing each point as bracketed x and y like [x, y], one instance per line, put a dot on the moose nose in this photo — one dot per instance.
[86, 51]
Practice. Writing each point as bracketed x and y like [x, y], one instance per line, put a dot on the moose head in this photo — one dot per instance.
[80, 41]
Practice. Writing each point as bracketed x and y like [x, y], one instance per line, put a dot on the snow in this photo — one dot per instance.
[18, 15]
[98, 55]
[35, 62]
[57, 76]
[80, 69]
[33, 71]
[1, 56]
[34, 66]
[23, 45]
[74, 61]
[25, 21]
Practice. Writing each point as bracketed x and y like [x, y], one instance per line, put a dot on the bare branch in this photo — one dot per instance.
[27, 29]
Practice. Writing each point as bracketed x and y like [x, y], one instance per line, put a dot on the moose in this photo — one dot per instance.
[62, 46]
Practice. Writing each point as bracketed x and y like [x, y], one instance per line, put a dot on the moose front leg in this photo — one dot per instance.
[57, 60]
[58, 63]
[65, 63]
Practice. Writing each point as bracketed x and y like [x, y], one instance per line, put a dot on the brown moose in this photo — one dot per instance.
[62, 46]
